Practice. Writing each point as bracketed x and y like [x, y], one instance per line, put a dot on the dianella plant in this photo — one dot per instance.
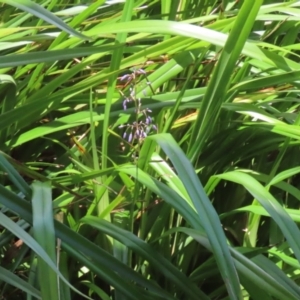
[149, 149]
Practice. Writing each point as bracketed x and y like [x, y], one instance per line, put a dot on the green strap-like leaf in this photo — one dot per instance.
[44, 14]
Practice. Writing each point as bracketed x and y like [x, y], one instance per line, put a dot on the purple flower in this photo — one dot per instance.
[137, 130]
[140, 72]
[148, 120]
[130, 137]
[125, 103]
[126, 77]
[137, 133]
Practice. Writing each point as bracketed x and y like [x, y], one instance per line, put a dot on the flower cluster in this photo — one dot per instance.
[138, 130]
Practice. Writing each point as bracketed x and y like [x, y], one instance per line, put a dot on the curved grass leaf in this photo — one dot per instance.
[44, 234]
[29, 241]
[219, 83]
[259, 210]
[284, 175]
[206, 213]
[52, 56]
[149, 253]
[248, 269]
[271, 205]
[44, 14]
[85, 251]
[19, 283]
[254, 270]
[15, 177]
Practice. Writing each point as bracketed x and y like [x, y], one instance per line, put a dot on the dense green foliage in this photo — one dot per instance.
[149, 149]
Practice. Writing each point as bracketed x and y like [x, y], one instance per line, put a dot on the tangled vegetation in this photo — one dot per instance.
[149, 149]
